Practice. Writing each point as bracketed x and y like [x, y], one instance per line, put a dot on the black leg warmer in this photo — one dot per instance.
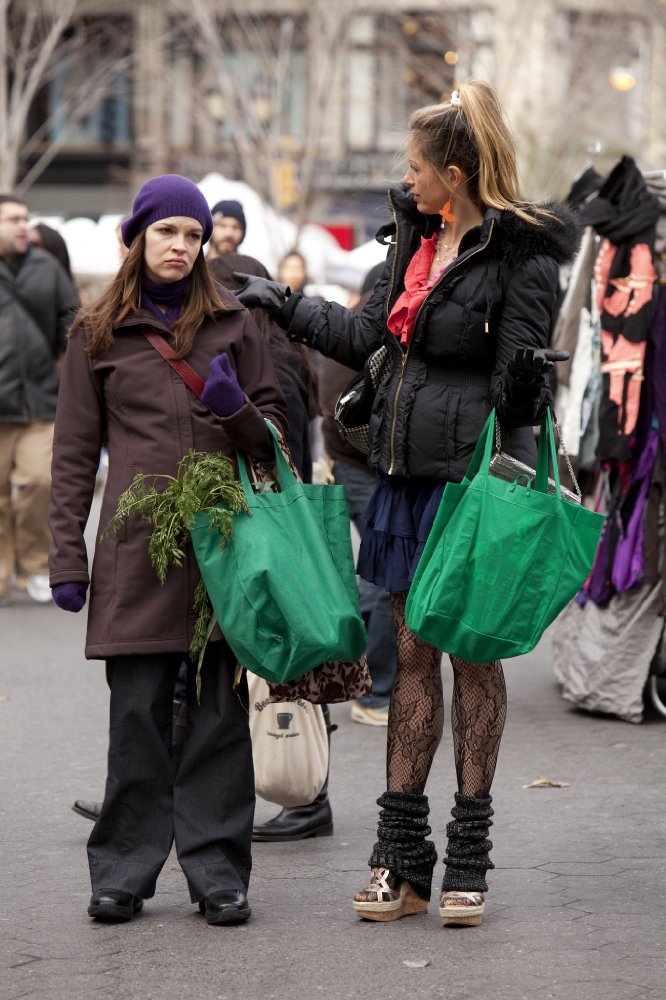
[467, 855]
[401, 845]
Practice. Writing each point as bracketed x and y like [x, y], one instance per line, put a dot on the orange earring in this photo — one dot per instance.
[446, 213]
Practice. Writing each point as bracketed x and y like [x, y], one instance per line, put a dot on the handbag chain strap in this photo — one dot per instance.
[562, 448]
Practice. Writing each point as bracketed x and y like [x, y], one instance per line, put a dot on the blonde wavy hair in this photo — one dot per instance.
[471, 132]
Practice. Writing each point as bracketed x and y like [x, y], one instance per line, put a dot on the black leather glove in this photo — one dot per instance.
[260, 293]
[528, 364]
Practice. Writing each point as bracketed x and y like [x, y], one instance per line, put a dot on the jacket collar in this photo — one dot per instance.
[515, 239]
[144, 318]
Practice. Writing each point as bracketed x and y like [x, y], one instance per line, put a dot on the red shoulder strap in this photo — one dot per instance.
[186, 372]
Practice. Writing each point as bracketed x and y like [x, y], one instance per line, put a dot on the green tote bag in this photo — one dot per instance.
[502, 559]
[284, 588]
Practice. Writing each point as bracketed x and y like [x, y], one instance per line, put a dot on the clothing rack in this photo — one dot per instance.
[607, 650]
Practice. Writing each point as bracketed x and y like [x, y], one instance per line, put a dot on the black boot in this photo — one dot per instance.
[468, 851]
[88, 809]
[300, 822]
[401, 840]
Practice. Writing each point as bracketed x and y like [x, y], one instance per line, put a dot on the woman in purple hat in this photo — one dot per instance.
[115, 382]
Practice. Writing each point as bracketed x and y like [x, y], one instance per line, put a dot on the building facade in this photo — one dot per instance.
[309, 105]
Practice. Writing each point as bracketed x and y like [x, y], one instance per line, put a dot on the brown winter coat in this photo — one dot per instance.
[151, 419]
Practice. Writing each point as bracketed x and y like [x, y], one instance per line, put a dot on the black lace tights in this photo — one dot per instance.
[416, 715]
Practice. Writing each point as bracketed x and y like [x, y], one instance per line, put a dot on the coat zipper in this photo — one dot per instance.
[406, 353]
[395, 256]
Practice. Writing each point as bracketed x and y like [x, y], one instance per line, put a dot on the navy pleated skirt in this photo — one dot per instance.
[398, 521]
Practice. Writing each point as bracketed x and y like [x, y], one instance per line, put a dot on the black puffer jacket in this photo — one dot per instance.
[500, 294]
[37, 306]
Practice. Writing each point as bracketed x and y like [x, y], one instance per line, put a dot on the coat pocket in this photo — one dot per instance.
[432, 430]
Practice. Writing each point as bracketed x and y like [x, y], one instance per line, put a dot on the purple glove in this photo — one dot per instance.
[221, 391]
[70, 596]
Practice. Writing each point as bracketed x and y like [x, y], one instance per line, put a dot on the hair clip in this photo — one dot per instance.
[455, 99]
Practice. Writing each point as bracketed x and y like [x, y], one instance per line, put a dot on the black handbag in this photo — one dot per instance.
[354, 405]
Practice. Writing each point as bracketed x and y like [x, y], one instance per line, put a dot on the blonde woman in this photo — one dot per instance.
[465, 307]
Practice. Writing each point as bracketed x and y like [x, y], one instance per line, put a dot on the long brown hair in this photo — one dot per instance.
[472, 133]
[123, 297]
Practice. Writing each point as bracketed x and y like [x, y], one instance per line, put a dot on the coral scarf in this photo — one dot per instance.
[417, 285]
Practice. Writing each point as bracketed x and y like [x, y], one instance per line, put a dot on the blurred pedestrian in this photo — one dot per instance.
[464, 309]
[113, 378]
[229, 228]
[350, 468]
[292, 271]
[50, 240]
[37, 304]
[298, 381]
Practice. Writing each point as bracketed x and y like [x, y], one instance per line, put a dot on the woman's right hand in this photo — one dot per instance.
[260, 293]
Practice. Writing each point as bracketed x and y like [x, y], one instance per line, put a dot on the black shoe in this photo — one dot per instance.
[227, 906]
[112, 905]
[298, 822]
[90, 810]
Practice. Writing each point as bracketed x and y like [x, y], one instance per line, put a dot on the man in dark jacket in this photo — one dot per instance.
[229, 228]
[37, 303]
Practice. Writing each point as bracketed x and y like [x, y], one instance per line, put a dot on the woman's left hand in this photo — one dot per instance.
[70, 596]
[222, 392]
[528, 364]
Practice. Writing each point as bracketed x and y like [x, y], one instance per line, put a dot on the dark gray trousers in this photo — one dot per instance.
[206, 805]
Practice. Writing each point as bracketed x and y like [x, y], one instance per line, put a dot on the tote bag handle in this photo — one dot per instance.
[286, 477]
[547, 454]
[483, 451]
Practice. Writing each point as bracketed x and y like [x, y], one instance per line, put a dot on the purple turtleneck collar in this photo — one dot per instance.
[171, 294]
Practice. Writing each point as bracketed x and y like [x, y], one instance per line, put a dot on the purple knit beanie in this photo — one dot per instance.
[163, 197]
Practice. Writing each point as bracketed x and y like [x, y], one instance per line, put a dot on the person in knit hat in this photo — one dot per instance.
[116, 382]
[229, 228]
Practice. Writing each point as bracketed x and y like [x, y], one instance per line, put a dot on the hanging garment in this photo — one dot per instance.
[656, 185]
[625, 215]
[589, 409]
[577, 298]
[602, 656]
[657, 365]
[628, 564]
[569, 400]
[585, 185]
[655, 517]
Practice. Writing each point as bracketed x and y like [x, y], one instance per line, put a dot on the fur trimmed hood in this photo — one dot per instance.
[514, 239]
[558, 234]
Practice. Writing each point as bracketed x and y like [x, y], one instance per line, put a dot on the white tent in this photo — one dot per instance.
[93, 246]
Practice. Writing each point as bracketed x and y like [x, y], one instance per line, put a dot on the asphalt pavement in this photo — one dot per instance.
[575, 909]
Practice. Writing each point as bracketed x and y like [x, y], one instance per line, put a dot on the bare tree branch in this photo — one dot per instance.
[72, 109]
[255, 94]
[31, 75]
[38, 39]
